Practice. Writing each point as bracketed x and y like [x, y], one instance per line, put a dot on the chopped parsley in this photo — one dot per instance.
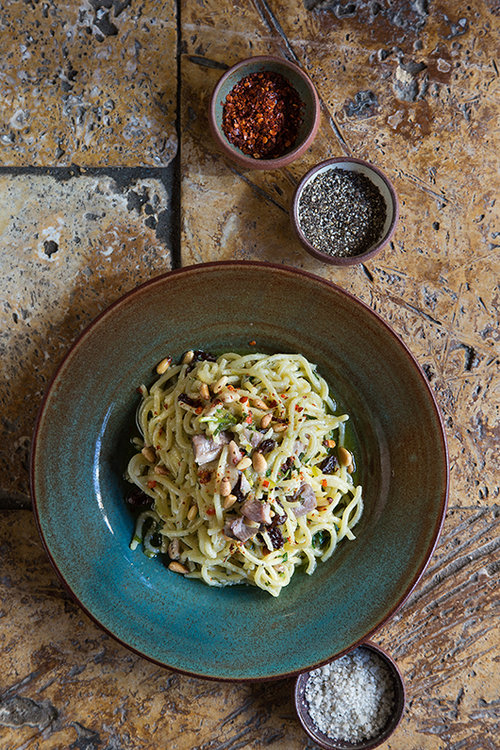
[225, 421]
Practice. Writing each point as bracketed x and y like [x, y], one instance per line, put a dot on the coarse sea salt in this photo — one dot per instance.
[352, 697]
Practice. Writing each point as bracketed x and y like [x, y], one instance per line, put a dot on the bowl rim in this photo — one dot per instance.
[399, 699]
[280, 268]
[248, 161]
[348, 260]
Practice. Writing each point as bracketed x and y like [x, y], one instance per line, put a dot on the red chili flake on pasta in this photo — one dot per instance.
[198, 410]
[210, 511]
[249, 419]
[152, 484]
[252, 343]
[204, 475]
[262, 114]
[265, 483]
[299, 408]
[324, 483]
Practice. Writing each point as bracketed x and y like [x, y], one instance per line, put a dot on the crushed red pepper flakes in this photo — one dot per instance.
[252, 343]
[210, 511]
[151, 484]
[262, 114]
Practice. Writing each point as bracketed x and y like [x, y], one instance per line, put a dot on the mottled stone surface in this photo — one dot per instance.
[64, 680]
[91, 82]
[410, 86]
[69, 247]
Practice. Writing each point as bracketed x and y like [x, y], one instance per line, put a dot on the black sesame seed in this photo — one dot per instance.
[341, 213]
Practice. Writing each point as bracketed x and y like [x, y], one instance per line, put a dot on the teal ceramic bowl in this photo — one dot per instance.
[82, 445]
[297, 78]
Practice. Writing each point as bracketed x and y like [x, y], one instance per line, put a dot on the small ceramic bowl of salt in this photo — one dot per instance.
[354, 702]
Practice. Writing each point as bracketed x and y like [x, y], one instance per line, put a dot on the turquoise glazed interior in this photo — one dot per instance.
[82, 445]
[294, 78]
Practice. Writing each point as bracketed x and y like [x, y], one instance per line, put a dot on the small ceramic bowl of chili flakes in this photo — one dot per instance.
[264, 112]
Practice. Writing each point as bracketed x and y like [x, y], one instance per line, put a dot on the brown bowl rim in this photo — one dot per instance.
[248, 161]
[399, 699]
[349, 260]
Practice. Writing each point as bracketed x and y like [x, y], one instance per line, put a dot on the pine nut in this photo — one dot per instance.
[259, 462]
[244, 463]
[177, 567]
[163, 366]
[234, 452]
[188, 357]
[204, 392]
[345, 457]
[149, 453]
[229, 501]
[225, 487]
[174, 549]
[192, 513]
[259, 404]
[220, 384]
[162, 470]
[266, 420]
[280, 427]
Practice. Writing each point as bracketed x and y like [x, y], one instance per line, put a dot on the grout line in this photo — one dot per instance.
[176, 182]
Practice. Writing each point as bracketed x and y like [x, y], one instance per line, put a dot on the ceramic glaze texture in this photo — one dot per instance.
[374, 379]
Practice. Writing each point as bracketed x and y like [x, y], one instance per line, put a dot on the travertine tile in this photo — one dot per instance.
[436, 282]
[70, 247]
[408, 86]
[75, 683]
[92, 83]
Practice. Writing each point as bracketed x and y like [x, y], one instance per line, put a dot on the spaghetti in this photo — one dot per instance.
[243, 462]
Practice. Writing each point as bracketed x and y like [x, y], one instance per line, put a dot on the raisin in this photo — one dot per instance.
[329, 465]
[138, 499]
[267, 445]
[276, 537]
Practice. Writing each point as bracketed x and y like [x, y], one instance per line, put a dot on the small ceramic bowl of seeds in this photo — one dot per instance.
[344, 211]
[354, 702]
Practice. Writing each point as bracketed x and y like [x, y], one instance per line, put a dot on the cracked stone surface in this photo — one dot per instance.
[88, 82]
[410, 86]
[70, 247]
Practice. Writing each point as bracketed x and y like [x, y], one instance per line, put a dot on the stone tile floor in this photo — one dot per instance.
[107, 177]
